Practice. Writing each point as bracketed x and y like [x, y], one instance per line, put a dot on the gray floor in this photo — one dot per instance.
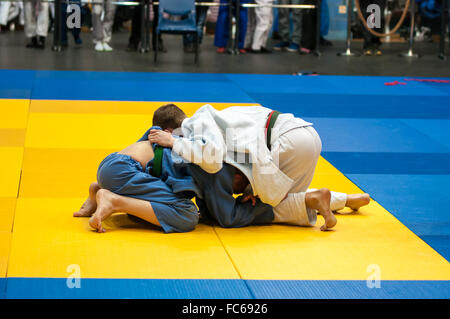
[14, 55]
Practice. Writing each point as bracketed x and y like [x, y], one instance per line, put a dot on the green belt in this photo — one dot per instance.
[157, 161]
[271, 119]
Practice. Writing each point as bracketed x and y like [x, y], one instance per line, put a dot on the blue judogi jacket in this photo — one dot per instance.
[217, 201]
[175, 172]
[214, 192]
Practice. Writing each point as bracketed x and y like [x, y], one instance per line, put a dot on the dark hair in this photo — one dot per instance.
[168, 116]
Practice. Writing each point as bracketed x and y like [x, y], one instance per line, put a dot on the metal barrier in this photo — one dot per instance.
[145, 19]
[409, 53]
[444, 24]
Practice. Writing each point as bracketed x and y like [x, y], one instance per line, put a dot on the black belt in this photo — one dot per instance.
[271, 119]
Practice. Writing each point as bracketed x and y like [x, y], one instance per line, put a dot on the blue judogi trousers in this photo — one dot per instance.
[123, 175]
[222, 25]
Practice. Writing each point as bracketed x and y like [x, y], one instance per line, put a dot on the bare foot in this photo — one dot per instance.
[320, 201]
[90, 205]
[105, 207]
[355, 201]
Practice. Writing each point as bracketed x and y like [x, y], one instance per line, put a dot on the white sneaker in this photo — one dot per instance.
[99, 47]
[107, 47]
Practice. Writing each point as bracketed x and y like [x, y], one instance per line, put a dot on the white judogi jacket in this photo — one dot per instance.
[236, 136]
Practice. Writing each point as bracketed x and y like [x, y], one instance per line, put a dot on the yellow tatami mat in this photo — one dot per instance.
[13, 123]
[47, 239]
[66, 140]
[361, 241]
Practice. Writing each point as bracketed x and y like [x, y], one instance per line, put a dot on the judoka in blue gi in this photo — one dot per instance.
[163, 200]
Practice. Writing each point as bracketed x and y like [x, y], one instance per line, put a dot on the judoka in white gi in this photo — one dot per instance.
[36, 23]
[157, 188]
[280, 177]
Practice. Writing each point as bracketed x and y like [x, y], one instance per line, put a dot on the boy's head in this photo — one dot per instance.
[240, 182]
[168, 117]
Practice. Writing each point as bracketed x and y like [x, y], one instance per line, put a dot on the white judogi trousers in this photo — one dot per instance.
[298, 151]
[102, 29]
[259, 25]
[9, 11]
[36, 18]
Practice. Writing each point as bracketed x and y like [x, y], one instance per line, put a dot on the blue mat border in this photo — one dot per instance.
[56, 288]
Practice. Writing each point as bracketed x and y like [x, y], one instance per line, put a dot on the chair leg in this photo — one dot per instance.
[196, 48]
[155, 55]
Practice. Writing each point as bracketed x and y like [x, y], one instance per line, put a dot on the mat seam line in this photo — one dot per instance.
[234, 265]
[17, 198]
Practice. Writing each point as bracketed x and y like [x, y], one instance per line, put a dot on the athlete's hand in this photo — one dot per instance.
[248, 197]
[165, 139]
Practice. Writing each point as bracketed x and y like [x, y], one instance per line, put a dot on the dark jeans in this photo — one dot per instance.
[309, 27]
[201, 12]
[371, 41]
[75, 31]
[136, 30]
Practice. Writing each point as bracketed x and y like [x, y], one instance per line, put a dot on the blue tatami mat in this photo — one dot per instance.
[16, 84]
[389, 163]
[418, 201]
[2, 288]
[437, 129]
[130, 86]
[373, 135]
[347, 289]
[31, 288]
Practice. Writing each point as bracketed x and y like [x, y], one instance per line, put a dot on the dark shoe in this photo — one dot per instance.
[33, 43]
[325, 42]
[189, 48]
[281, 46]
[261, 51]
[132, 47]
[78, 41]
[368, 52]
[294, 47]
[161, 47]
[40, 43]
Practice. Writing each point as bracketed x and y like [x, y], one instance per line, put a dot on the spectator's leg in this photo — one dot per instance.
[4, 13]
[243, 19]
[368, 37]
[283, 21]
[297, 15]
[250, 28]
[135, 36]
[263, 24]
[376, 41]
[30, 19]
[77, 31]
[108, 20]
[221, 36]
[97, 25]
